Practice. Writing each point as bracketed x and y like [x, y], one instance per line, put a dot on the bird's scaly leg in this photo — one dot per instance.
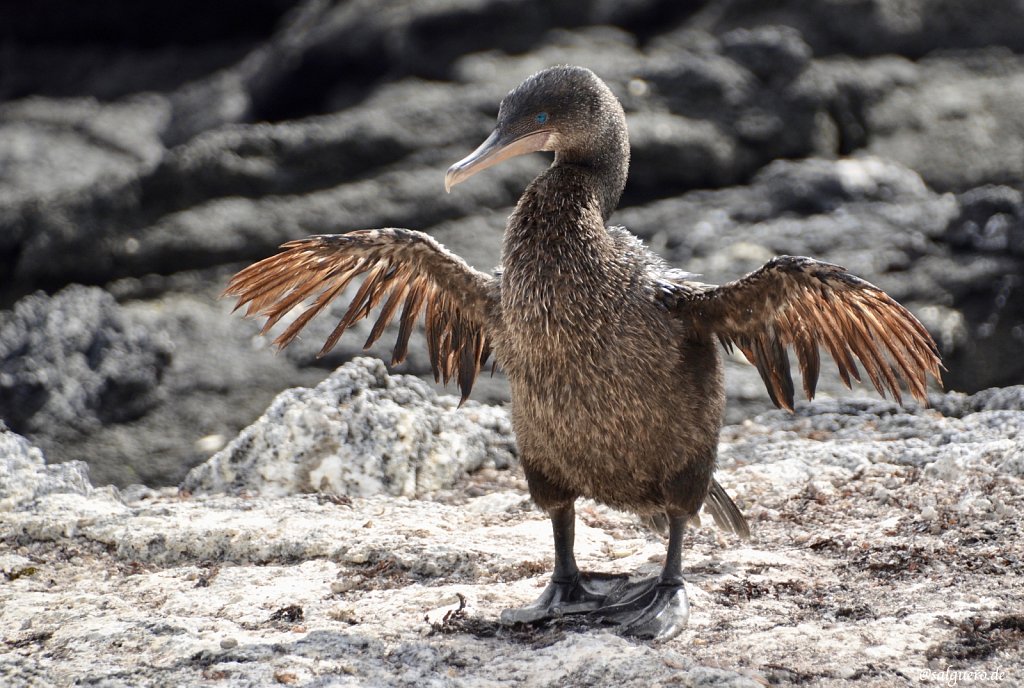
[653, 608]
[570, 591]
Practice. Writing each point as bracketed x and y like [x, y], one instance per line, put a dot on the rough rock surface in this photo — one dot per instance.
[883, 135]
[24, 475]
[360, 432]
[887, 550]
[73, 363]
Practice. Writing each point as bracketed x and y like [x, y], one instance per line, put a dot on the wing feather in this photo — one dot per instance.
[387, 312]
[806, 304]
[397, 266]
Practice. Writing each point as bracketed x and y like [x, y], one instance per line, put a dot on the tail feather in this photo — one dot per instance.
[718, 502]
[725, 512]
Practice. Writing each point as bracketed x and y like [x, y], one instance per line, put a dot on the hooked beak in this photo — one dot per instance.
[492, 151]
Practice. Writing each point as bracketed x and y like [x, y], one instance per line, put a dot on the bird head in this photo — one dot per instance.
[568, 110]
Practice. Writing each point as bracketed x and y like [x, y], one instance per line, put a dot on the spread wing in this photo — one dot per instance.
[804, 303]
[409, 268]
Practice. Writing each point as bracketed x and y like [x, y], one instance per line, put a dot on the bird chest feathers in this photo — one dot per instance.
[561, 280]
[559, 296]
[572, 319]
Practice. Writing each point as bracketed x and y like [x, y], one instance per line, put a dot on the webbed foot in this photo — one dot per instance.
[647, 609]
[583, 594]
[653, 610]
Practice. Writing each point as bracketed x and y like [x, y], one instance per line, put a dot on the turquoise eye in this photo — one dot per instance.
[542, 117]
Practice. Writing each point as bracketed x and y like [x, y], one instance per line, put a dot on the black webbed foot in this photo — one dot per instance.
[651, 610]
[585, 593]
[647, 609]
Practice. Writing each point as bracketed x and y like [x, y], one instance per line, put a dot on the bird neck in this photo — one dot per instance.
[604, 164]
[559, 220]
[556, 253]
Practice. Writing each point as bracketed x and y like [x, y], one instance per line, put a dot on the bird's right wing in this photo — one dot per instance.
[802, 303]
[410, 268]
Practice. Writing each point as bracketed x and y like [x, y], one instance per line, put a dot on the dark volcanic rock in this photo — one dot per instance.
[990, 227]
[871, 27]
[73, 363]
[958, 124]
[69, 174]
[65, 48]
[991, 220]
[220, 379]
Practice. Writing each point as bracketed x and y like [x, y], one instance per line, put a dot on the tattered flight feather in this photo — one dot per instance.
[409, 268]
[804, 303]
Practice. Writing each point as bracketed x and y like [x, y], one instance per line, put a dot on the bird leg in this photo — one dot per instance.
[652, 608]
[570, 591]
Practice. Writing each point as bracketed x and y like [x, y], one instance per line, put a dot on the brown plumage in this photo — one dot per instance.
[805, 303]
[403, 269]
[612, 356]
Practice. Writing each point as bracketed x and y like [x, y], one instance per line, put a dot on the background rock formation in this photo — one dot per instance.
[147, 154]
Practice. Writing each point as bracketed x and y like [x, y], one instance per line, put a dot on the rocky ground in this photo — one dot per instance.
[149, 152]
[886, 551]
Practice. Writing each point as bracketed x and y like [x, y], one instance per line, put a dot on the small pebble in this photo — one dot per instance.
[637, 87]
[228, 643]
[210, 443]
[358, 556]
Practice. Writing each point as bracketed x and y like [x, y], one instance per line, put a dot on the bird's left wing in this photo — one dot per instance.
[804, 303]
[410, 268]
